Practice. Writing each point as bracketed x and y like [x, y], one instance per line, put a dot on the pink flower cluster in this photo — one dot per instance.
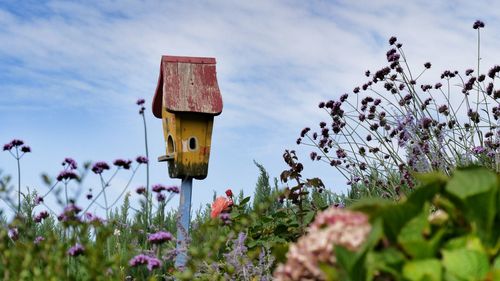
[334, 226]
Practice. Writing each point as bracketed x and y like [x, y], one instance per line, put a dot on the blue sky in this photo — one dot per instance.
[70, 73]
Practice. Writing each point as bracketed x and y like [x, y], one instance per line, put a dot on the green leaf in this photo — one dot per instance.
[244, 201]
[412, 237]
[423, 270]
[471, 181]
[466, 264]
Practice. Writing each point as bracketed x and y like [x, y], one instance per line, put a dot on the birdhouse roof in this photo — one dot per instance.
[187, 84]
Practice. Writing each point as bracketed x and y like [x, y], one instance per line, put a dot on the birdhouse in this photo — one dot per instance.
[187, 98]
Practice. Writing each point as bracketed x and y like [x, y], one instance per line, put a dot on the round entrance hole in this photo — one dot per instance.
[193, 143]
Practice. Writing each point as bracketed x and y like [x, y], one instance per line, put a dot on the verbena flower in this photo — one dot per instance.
[140, 190]
[141, 159]
[70, 214]
[99, 167]
[38, 240]
[13, 233]
[41, 216]
[70, 163]
[140, 101]
[125, 164]
[160, 237]
[76, 250]
[38, 200]
[173, 189]
[25, 149]
[67, 175]
[158, 188]
[160, 197]
[229, 192]
[141, 259]
[478, 24]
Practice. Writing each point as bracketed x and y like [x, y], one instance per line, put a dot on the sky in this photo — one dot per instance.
[71, 72]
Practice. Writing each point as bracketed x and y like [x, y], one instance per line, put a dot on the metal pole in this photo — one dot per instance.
[183, 223]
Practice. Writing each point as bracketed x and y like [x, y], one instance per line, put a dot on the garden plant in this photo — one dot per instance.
[421, 161]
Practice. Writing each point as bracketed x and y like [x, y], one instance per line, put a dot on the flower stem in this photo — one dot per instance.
[147, 165]
[18, 181]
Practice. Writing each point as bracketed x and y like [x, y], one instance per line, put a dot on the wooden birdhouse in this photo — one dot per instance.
[187, 98]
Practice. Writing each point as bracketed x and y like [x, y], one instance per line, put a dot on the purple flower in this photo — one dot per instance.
[478, 150]
[140, 102]
[70, 214]
[140, 190]
[99, 167]
[478, 24]
[76, 250]
[173, 189]
[125, 164]
[25, 149]
[153, 263]
[160, 237]
[38, 200]
[38, 240]
[13, 233]
[13, 143]
[141, 259]
[427, 65]
[225, 217]
[67, 175]
[160, 197]
[89, 196]
[93, 218]
[7, 146]
[158, 188]
[392, 40]
[70, 162]
[141, 159]
[41, 216]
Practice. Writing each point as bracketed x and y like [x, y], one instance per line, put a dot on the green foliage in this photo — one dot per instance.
[445, 230]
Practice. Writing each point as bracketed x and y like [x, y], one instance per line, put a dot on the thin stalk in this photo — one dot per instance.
[147, 164]
[18, 181]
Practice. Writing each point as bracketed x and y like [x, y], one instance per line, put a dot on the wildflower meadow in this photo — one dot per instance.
[420, 157]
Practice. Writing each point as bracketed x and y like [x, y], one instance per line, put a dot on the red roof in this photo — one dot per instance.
[187, 84]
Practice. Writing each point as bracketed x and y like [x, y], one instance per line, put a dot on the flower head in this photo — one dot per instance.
[158, 188]
[76, 250]
[70, 162]
[13, 143]
[478, 150]
[229, 192]
[173, 189]
[160, 197]
[99, 167]
[13, 233]
[125, 164]
[41, 216]
[331, 227]
[478, 24]
[25, 149]
[160, 237]
[38, 200]
[141, 159]
[140, 102]
[67, 175]
[140, 190]
[219, 205]
[141, 259]
[38, 240]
